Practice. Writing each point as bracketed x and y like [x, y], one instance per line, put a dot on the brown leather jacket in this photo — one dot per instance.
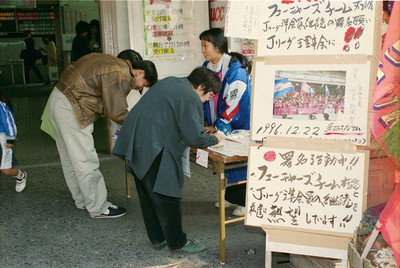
[97, 85]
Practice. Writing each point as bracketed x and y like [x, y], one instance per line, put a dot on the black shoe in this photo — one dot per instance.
[113, 211]
[46, 83]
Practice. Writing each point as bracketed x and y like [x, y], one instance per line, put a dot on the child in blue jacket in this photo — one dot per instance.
[231, 105]
[8, 133]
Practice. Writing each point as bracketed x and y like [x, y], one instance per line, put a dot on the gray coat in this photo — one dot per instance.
[168, 117]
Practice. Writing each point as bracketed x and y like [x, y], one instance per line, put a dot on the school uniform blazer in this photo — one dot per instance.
[167, 118]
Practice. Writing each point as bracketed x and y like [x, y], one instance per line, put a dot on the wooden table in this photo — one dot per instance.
[217, 163]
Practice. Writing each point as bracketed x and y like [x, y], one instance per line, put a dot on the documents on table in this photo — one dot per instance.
[235, 144]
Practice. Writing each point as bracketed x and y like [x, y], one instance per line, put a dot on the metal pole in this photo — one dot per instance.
[23, 73]
[12, 73]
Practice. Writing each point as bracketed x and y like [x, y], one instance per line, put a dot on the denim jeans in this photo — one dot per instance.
[162, 214]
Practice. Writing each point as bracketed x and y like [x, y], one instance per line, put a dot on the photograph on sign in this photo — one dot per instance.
[311, 101]
[305, 27]
[308, 189]
[306, 95]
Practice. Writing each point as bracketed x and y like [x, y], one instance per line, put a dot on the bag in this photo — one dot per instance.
[38, 54]
[53, 73]
[24, 54]
[44, 60]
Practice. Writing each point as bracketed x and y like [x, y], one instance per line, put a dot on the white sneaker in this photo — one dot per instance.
[227, 204]
[20, 185]
[239, 211]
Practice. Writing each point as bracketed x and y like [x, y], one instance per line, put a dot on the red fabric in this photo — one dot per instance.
[387, 89]
[390, 220]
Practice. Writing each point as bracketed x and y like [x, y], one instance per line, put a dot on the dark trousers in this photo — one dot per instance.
[162, 214]
[236, 194]
[29, 64]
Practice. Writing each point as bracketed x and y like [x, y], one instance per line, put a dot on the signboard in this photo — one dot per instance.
[169, 30]
[18, 3]
[7, 21]
[304, 27]
[36, 20]
[318, 101]
[297, 184]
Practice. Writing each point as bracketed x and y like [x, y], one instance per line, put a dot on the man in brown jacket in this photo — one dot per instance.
[95, 85]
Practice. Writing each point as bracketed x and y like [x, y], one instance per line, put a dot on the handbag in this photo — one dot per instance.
[44, 60]
[24, 54]
[53, 73]
[38, 54]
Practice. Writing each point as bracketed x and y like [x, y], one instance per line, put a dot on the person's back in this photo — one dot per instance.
[80, 46]
[86, 83]
[171, 98]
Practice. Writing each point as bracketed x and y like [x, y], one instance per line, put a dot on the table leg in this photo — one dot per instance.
[127, 182]
[221, 197]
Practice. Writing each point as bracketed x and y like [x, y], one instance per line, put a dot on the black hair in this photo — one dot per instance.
[217, 38]
[387, 6]
[95, 24]
[202, 76]
[46, 36]
[150, 71]
[131, 55]
[27, 33]
[4, 98]
[82, 27]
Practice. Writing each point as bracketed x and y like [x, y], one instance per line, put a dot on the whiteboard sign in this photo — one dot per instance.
[289, 27]
[306, 189]
[318, 101]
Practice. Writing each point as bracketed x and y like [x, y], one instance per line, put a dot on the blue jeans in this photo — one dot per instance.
[162, 214]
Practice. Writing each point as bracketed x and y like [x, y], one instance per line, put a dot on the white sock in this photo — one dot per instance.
[20, 175]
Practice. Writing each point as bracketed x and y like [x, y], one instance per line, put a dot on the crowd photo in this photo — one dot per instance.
[309, 95]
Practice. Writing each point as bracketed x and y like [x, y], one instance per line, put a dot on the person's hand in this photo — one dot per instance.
[210, 130]
[218, 137]
[9, 145]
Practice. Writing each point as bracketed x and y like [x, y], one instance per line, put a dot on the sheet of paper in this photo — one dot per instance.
[234, 144]
[186, 162]
[202, 158]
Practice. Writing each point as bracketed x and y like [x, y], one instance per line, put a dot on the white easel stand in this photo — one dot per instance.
[302, 250]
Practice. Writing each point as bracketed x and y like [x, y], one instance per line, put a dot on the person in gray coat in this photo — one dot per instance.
[155, 133]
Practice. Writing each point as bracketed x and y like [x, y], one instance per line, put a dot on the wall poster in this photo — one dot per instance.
[169, 30]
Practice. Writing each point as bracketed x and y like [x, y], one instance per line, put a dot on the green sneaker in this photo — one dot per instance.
[161, 245]
[190, 248]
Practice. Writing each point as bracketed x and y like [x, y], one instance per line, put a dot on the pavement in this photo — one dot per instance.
[41, 227]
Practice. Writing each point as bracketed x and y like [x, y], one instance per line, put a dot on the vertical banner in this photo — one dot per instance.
[169, 30]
